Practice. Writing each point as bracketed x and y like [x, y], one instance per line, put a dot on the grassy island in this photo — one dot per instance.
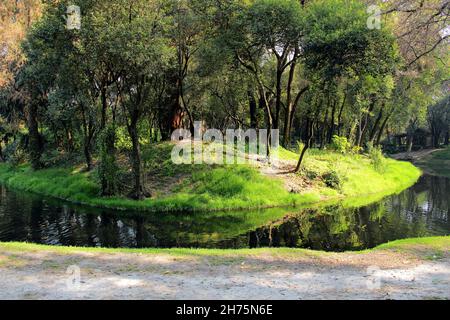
[325, 176]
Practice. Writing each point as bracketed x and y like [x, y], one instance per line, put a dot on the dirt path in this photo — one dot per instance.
[415, 155]
[375, 275]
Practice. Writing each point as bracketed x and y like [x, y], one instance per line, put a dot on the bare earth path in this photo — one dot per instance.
[266, 274]
[414, 155]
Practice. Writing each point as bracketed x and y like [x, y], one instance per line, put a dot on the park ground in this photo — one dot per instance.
[405, 269]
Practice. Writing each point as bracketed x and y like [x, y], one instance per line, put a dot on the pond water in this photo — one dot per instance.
[423, 210]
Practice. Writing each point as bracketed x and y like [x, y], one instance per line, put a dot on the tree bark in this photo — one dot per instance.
[253, 110]
[373, 132]
[307, 145]
[104, 108]
[380, 132]
[35, 140]
[332, 124]
[138, 189]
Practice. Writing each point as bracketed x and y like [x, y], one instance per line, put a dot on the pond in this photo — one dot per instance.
[423, 210]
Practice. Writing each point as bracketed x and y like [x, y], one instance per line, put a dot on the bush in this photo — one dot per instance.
[332, 180]
[341, 144]
[377, 158]
[14, 153]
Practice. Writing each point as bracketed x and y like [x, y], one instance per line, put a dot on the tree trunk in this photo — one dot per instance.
[87, 155]
[375, 126]
[289, 106]
[324, 128]
[307, 145]
[253, 110]
[341, 112]
[276, 121]
[364, 124]
[138, 189]
[104, 108]
[380, 132]
[332, 124]
[35, 140]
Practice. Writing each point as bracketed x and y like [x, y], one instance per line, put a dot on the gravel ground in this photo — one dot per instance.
[78, 275]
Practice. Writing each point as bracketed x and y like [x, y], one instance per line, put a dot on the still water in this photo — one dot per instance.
[423, 210]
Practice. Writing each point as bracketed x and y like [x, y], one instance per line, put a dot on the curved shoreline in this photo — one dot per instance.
[28, 181]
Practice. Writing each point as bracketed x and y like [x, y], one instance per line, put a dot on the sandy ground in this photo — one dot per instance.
[374, 275]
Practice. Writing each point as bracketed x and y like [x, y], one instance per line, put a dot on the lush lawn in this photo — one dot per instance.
[206, 188]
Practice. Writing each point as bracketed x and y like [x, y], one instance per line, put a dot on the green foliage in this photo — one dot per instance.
[332, 179]
[341, 144]
[376, 157]
[339, 43]
[14, 153]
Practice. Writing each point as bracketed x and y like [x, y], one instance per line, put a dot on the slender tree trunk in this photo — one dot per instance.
[138, 189]
[253, 110]
[307, 145]
[35, 140]
[332, 123]
[380, 132]
[87, 156]
[104, 108]
[276, 121]
[323, 131]
[375, 126]
[289, 106]
[364, 124]
[341, 112]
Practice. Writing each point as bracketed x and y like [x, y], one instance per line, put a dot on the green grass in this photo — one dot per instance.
[422, 246]
[437, 163]
[228, 187]
[358, 174]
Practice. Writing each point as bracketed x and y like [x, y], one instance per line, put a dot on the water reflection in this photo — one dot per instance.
[420, 211]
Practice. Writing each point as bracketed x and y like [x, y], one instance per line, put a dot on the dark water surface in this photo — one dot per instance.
[423, 210]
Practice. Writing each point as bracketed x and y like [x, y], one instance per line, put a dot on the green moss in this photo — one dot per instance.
[212, 188]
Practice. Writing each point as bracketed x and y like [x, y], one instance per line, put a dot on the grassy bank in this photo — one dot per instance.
[420, 246]
[206, 188]
[437, 163]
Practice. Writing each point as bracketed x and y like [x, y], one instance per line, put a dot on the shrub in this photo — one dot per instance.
[14, 153]
[332, 179]
[340, 144]
[376, 157]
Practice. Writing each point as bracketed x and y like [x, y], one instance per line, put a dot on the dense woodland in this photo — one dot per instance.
[138, 69]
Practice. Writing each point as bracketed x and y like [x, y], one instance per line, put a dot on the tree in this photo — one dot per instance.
[141, 52]
[439, 121]
[340, 49]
